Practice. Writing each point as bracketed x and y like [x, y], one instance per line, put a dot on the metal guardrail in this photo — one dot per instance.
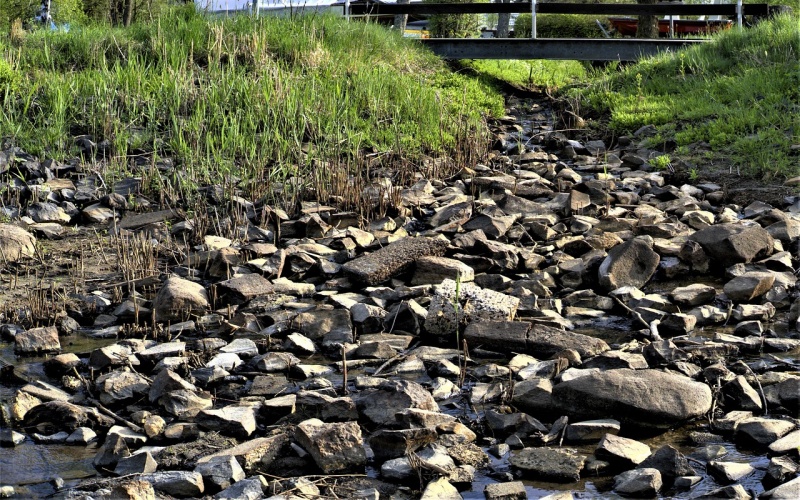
[661, 9]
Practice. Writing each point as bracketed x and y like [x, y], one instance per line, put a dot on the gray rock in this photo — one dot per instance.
[176, 483]
[730, 243]
[48, 212]
[787, 491]
[165, 350]
[275, 362]
[729, 472]
[390, 443]
[391, 260]
[646, 398]
[677, 324]
[786, 444]
[185, 404]
[684, 483]
[534, 339]
[550, 464]
[251, 454]
[335, 447]
[132, 438]
[513, 490]
[132, 489]
[440, 489]
[167, 381]
[98, 214]
[178, 299]
[247, 489]
[141, 463]
[111, 355]
[740, 395]
[749, 286]
[236, 421]
[311, 404]
[622, 451]
[37, 340]
[10, 438]
[762, 431]
[779, 470]
[397, 469]
[638, 483]
[110, 453]
[610, 360]
[120, 386]
[16, 243]
[734, 492]
[57, 438]
[242, 289]
[244, 348]
[329, 326]
[433, 270]
[379, 406]
[475, 305]
[670, 462]
[220, 472]
[632, 263]
[368, 318]
[590, 431]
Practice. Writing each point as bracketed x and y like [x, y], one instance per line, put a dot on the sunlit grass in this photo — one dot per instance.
[259, 100]
[740, 94]
[530, 74]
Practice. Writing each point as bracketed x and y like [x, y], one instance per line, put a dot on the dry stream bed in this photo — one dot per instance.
[565, 320]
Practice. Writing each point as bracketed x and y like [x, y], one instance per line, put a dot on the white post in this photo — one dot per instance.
[533, 18]
[739, 13]
[347, 9]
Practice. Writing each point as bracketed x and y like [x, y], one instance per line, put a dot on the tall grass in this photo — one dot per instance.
[254, 101]
[739, 93]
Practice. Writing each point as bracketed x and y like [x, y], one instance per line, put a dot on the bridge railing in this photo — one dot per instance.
[660, 9]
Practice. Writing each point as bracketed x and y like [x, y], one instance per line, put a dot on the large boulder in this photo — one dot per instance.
[16, 243]
[643, 398]
[732, 243]
[179, 298]
[632, 263]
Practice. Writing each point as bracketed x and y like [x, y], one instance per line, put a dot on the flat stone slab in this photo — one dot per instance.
[552, 464]
[540, 341]
[137, 220]
[251, 454]
[393, 259]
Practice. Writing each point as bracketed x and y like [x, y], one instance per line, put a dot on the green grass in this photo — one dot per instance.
[529, 74]
[740, 94]
[254, 100]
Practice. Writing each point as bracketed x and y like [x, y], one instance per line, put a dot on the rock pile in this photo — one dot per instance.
[339, 345]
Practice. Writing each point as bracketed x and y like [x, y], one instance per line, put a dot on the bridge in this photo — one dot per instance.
[582, 49]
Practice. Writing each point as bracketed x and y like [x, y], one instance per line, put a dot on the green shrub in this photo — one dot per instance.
[62, 11]
[560, 26]
[455, 25]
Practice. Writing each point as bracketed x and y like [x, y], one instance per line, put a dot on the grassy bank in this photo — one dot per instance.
[260, 100]
[739, 94]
